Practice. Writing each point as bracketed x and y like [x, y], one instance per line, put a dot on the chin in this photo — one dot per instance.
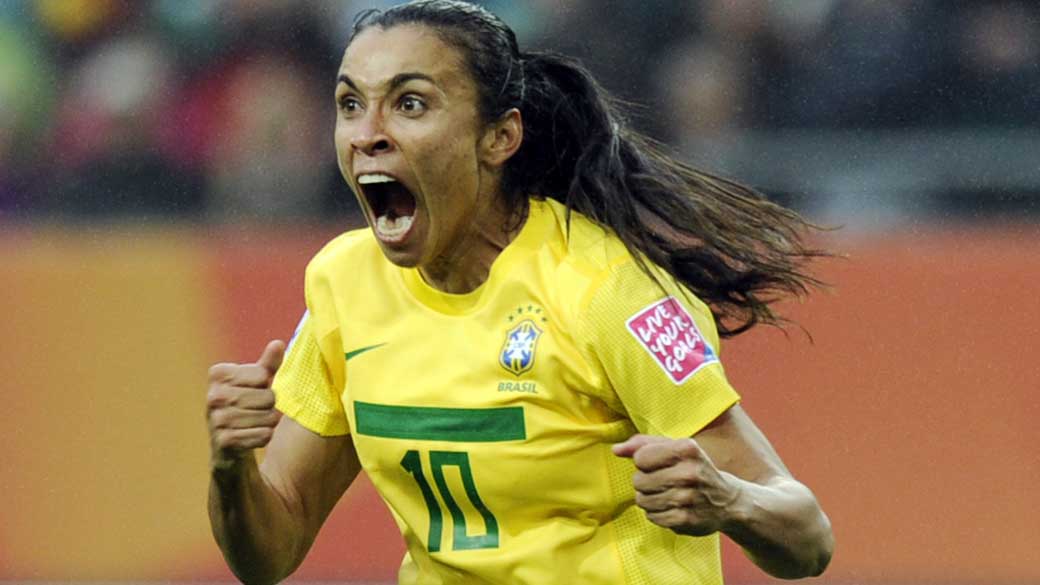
[403, 257]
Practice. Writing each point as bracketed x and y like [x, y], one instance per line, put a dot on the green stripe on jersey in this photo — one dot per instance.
[460, 425]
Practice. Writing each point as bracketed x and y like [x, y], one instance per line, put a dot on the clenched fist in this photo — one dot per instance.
[240, 406]
[678, 486]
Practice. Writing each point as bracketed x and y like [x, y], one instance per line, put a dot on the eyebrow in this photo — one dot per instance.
[395, 82]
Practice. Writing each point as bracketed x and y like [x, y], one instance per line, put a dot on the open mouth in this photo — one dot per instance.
[392, 205]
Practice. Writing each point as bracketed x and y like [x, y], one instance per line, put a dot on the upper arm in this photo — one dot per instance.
[309, 472]
[736, 445]
[310, 460]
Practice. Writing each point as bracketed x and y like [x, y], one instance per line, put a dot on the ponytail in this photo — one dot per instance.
[734, 249]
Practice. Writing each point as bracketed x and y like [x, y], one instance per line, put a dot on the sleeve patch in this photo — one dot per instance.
[668, 333]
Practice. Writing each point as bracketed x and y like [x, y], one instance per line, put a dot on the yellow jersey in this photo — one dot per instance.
[485, 419]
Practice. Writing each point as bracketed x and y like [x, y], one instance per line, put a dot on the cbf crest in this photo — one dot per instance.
[518, 351]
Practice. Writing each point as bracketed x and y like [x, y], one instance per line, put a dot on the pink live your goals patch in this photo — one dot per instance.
[667, 332]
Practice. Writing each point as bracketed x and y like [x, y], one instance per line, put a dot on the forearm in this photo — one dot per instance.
[252, 524]
[781, 528]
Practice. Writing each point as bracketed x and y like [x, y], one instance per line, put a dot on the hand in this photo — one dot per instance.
[678, 486]
[240, 406]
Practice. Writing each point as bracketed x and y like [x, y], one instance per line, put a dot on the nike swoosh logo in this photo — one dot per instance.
[362, 350]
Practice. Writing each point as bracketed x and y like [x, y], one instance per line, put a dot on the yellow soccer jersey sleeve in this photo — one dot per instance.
[309, 384]
[658, 347]
[303, 386]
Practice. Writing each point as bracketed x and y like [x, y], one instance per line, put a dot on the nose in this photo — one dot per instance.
[371, 138]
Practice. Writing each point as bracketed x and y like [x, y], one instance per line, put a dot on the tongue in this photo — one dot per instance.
[399, 202]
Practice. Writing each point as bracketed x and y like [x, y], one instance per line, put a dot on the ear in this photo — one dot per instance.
[502, 139]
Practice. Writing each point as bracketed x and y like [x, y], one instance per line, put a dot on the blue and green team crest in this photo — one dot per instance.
[518, 352]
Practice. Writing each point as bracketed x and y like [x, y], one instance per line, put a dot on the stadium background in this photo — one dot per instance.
[166, 170]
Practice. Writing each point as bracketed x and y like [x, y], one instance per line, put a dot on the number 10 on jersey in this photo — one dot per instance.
[461, 540]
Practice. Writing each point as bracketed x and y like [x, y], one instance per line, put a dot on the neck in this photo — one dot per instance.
[467, 266]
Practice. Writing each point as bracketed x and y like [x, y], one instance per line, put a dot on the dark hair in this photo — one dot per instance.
[729, 245]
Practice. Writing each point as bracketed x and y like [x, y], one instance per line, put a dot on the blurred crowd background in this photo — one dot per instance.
[865, 112]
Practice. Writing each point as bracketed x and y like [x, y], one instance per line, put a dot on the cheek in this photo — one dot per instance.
[342, 139]
[454, 159]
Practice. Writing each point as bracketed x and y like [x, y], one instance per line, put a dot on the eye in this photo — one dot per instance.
[349, 104]
[411, 105]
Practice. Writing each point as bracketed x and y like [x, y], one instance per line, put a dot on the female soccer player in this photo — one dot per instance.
[522, 351]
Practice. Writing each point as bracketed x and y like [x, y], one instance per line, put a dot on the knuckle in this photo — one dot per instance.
[642, 462]
[221, 419]
[215, 396]
[689, 517]
[672, 518]
[639, 480]
[269, 397]
[221, 439]
[221, 371]
[684, 498]
[690, 473]
[663, 519]
[638, 456]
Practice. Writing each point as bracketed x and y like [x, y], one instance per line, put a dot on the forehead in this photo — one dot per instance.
[376, 55]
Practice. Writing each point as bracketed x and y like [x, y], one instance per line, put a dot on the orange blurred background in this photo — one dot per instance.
[912, 414]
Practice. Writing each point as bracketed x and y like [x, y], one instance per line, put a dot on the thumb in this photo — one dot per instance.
[271, 359]
[635, 443]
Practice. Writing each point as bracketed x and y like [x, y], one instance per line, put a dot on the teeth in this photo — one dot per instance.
[391, 229]
[374, 178]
